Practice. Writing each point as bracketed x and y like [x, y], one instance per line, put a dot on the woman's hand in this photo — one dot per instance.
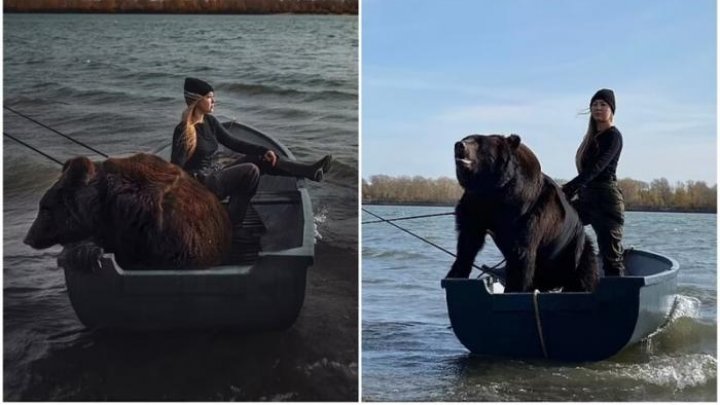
[271, 157]
[569, 191]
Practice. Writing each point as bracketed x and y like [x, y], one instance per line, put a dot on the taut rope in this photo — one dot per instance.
[483, 269]
[404, 218]
[33, 148]
[55, 131]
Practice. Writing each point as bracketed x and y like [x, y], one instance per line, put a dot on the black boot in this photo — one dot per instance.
[314, 171]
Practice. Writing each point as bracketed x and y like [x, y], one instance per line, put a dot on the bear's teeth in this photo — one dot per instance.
[466, 162]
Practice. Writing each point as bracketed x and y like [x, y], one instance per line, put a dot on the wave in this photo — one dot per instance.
[342, 174]
[685, 331]
[27, 175]
[89, 96]
[246, 89]
[151, 76]
[405, 337]
[395, 254]
[22, 290]
[678, 373]
[106, 95]
[383, 328]
[40, 257]
[685, 307]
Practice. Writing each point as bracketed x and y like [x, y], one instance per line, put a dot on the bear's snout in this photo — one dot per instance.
[459, 150]
[461, 155]
[34, 242]
[30, 238]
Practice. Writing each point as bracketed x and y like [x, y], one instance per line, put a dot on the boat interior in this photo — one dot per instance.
[273, 222]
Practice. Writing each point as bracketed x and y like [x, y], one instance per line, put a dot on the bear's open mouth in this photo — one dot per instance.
[465, 162]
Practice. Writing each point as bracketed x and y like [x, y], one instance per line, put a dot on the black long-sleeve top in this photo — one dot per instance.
[204, 160]
[599, 162]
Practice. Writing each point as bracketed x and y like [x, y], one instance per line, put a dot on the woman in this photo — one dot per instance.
[600, 201]
[195, 147]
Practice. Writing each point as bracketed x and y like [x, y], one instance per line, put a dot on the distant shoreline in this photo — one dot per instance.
[217, 7]
[442, 204]
[173, 12]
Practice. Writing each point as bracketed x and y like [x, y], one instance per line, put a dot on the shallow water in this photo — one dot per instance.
[115, 82]
[411, 354]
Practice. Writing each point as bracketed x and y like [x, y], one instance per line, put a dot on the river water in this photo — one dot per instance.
[115, 82]
[410, 354]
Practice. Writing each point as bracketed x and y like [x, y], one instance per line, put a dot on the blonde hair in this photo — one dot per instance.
[588, 139]
[189, 133]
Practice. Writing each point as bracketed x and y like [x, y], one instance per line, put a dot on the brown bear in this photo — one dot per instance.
[507, 196]
[148, 212]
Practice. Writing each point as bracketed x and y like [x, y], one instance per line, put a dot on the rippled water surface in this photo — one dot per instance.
[115, 82]
[409, 352]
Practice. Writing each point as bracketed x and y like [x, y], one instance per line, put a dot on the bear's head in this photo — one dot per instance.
[487, 163]
[66, 210]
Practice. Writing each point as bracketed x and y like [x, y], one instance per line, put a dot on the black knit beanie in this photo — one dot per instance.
[605, 95]
[194, 88]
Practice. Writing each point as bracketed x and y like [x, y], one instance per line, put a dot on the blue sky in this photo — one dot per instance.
[434, 71]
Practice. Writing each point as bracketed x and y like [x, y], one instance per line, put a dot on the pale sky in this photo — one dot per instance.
[436, 71]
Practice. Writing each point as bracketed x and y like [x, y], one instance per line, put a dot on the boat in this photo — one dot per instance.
[564, 326]
[262, 287]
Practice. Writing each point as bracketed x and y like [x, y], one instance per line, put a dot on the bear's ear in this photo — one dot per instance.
[77, 171]
[513, 140]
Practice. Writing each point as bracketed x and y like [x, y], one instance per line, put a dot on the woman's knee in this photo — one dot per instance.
[253, 173]
[246, 174]
[247, 178]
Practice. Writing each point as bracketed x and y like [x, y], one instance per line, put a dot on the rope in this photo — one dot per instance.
[56, 131]
[487, 269]
[483, 269]
[404, 218]
[538, 323]
[33, 148]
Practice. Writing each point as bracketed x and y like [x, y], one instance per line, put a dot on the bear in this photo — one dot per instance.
[506, 195]
[150, 213]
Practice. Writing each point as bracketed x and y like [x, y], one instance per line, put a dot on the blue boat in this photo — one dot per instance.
[261, 287]
[576, 326]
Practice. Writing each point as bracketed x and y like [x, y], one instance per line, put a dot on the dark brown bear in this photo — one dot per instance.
[146, 211]
[537, 231]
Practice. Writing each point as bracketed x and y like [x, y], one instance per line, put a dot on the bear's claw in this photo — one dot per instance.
[83, 257]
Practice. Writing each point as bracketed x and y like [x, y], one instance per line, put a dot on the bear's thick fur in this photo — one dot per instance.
[148, 212]
[538, 232]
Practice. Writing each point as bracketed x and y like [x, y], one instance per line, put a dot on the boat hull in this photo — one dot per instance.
[267, 295]
[575, 326]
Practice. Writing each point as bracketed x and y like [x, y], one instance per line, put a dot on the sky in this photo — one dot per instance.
[436, 71]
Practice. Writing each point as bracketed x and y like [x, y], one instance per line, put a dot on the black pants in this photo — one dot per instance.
[602, 207]
[239, 181]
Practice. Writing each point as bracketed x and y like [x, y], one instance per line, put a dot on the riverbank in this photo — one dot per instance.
[259, 12]
[174, 7]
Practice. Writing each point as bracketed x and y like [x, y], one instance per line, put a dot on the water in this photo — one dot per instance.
[115, 83]
[409, 352]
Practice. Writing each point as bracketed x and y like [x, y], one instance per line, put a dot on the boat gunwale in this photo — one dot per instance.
[229, 124]
[646, 280]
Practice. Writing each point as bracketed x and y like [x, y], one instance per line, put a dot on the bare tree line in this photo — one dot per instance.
[185, 6]
[658, 195]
